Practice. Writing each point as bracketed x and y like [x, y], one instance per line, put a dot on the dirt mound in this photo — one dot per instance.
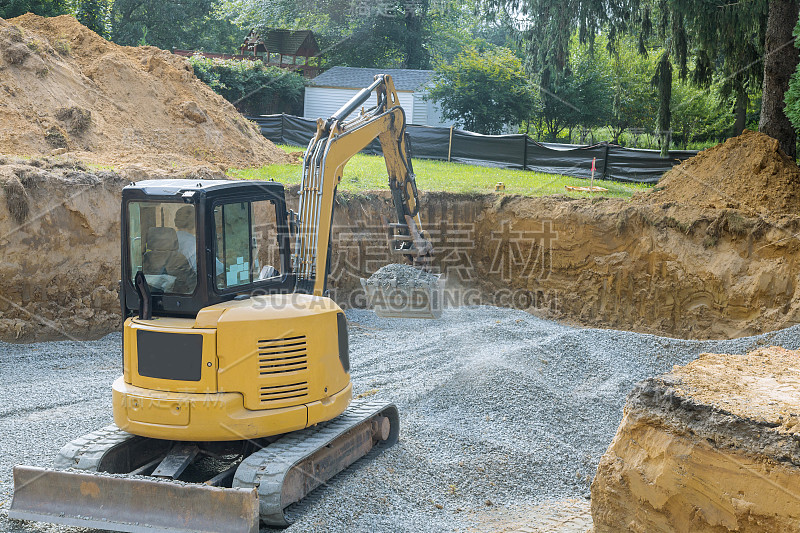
[711, 446]
[63, 88]
[749, 172]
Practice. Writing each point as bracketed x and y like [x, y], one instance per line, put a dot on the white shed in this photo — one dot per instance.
[333, 88]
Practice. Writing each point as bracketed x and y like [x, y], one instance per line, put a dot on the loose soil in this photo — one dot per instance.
[677, 270]
[503, 417]
[401, 275]
[63, 88]
[749, 173]
[660, 264]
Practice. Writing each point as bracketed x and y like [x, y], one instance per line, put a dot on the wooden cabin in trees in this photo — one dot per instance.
[289, 49]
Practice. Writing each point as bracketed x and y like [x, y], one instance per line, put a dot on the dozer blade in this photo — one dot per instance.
[398, 301]
[130, 504]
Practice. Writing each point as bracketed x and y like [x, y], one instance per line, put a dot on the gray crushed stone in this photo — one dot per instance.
[496, 406]
[402, 276]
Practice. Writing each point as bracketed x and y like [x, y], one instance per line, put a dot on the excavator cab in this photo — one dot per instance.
[197, 243]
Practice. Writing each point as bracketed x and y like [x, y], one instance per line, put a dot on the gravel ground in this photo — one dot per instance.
[499, 409]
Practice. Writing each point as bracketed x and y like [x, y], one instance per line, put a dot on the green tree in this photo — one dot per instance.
[723, 36]
[95, 15]
[483, 91]
[793, 94]
[582, 96]
[697, 114]
[255, 89]
[45, 8]
[167, 24]
[454, 26]
[635, 103]
[392, 40]
[357, 33]
[780, 61]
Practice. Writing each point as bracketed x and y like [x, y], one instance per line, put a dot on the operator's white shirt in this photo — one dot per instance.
[187, 244]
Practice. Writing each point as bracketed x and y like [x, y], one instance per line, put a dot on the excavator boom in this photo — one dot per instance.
[337, 140]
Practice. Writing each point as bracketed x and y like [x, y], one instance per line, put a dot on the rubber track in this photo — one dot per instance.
[266, 469]
[86, 452]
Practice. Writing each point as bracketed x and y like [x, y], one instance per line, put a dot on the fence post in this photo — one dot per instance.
[525, 152]
[605, 159]
[450, 144]
[283, 119]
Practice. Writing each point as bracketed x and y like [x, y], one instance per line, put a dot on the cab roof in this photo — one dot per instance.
[170, 187]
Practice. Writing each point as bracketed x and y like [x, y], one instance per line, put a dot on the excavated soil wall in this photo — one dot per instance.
[681, 271]
[59, 251]
[710, 447]
[677, 270]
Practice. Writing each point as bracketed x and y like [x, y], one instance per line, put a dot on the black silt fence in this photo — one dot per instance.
[503, 151]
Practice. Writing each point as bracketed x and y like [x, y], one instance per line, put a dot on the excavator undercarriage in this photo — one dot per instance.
[110, 479]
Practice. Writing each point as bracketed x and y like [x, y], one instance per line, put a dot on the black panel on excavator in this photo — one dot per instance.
[170, 355]
[344, 341]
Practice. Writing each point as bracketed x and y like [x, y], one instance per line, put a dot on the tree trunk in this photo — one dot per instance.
[780, 61]
[741, 113]
[416, 55]
[662, 80]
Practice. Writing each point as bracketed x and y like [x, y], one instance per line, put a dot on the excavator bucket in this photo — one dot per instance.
[135, 505]
[398, 298]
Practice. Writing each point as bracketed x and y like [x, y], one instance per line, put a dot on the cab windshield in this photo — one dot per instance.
[163, 246]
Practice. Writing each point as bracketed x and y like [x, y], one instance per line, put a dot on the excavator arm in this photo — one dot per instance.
[337, 140]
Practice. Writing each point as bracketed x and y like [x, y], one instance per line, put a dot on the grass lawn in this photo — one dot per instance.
[368, 173]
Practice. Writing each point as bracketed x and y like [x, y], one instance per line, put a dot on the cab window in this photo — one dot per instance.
[245, 244]
[162, 245]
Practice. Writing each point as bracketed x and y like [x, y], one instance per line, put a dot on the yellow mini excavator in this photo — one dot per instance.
[235, 398]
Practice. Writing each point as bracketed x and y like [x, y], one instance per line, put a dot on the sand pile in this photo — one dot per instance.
[749, 172]
[63, 88]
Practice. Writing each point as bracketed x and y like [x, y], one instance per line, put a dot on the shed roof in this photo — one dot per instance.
[405, 79]
[286, 42]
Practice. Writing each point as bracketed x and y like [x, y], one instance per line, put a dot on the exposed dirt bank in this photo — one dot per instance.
[709, 447]
[675, 270]
[59, 251]
[681, 271]
[63, 88]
